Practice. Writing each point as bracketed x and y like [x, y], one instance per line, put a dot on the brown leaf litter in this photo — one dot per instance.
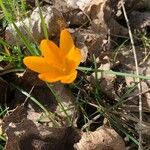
[23, 134]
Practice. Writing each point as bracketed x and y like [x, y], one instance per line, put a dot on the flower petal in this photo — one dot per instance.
[75, 55]
[53, 76]
[69, 78]
[37, 64]
[66, 41]
[51, 52]
[70, 66]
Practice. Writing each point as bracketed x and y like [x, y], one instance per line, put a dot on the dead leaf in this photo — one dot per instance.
[102, 139]
[102, 14]
[32, 27]
[25, 134]
[139, 20]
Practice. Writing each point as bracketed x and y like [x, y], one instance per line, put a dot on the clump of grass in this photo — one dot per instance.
[103, 106]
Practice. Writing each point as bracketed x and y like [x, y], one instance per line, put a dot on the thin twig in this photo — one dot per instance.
[137, 72]
[3, 72]
[29, 94]
[91, 121]
[143, 92]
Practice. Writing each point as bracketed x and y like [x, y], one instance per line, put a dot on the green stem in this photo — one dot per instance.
[114, 73]
[59, 103]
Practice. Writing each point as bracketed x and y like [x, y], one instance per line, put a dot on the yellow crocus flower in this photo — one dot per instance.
[56, 63]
